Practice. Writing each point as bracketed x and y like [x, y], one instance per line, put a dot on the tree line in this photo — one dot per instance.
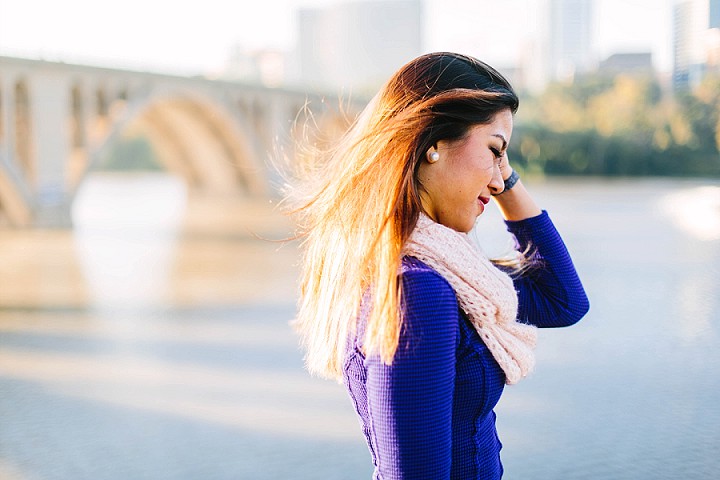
[619, 126]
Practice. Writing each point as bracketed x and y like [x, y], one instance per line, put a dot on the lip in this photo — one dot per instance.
[484, 200]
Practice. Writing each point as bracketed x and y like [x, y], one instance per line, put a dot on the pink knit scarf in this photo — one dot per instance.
[484, 292]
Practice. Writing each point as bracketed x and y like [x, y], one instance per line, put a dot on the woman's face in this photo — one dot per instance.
[456, 187]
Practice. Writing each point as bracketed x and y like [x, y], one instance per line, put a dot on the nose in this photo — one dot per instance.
[496, 185]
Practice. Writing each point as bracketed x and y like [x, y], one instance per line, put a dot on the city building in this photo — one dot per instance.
[570, 49]
[714, 14]
[696, 41]
[713, 37]
[354, 46]
[563, 46]
[631, 63]
[263, 67]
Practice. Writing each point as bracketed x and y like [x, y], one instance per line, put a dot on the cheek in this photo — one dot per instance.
[485, 171]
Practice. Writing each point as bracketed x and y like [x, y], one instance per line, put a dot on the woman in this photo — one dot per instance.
[422, 328]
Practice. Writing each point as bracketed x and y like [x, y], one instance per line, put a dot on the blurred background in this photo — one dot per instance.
[146, 279]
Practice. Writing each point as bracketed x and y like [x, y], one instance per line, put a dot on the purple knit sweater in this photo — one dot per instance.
[430, 415]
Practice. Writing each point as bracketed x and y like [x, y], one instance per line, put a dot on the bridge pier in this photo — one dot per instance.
[57, 215]
[52, 149]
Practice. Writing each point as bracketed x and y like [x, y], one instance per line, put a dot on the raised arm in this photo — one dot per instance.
[552, 294]
[410, 401]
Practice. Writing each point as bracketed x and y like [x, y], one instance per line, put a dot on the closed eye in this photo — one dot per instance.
[497, 153]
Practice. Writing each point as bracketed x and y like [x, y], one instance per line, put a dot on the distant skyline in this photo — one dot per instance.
[197, 37]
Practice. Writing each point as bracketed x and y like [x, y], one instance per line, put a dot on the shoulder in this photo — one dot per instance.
[425, 292]
[430, 309]
[416, 274]
[413, 270]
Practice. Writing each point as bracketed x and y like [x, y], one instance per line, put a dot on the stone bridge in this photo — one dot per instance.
[57, 121]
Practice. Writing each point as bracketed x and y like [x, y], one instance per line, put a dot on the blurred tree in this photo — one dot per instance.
[620, 125]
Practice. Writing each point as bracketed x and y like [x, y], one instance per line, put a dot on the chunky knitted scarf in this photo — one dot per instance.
[484, 292]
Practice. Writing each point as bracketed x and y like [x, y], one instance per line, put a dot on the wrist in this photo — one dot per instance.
[509, 181]
[506, 170]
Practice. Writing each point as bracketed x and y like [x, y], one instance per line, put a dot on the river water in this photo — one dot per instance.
[152, 342]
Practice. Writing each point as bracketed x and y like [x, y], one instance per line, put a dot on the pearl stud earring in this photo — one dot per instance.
[434, 157]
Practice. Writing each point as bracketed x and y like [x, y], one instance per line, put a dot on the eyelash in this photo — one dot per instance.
[497, 153]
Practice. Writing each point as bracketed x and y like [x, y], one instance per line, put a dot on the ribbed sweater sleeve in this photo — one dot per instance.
[552, 295]
[410, 401]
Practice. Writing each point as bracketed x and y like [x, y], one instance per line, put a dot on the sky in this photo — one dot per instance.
[196, 37]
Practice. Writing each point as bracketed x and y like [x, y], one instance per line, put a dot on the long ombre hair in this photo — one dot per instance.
[357, 201]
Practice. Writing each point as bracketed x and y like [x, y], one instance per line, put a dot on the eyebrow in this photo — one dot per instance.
[502, 138]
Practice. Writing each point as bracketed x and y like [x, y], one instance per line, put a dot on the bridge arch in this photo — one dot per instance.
[194, 137]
